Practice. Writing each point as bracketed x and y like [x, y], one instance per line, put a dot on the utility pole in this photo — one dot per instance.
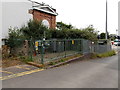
[116, 33]
[106, 21]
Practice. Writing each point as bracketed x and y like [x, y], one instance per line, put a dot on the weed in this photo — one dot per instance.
[107, 54]
[62, 60]
[52, 63]
[25, 59]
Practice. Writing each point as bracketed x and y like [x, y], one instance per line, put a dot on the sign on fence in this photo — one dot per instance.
[73, 42]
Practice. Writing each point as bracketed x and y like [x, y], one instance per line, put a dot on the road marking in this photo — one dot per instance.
[20, 74]
[23, 68]
[7, 72]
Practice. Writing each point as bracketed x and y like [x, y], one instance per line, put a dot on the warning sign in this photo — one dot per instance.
[73, 42]
[36, 44]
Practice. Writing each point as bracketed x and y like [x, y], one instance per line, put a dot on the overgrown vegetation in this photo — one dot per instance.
[25, 59]
[94, 55]
[106, 54]
[13, 61]
[15, 37]
[36, 31]
[69, 32]
[64, 59]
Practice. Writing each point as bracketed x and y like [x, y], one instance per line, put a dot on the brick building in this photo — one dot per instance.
[44, 13]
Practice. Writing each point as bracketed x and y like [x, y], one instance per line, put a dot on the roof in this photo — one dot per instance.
[44, 8]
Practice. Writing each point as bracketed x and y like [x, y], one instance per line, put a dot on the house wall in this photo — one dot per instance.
[0, 25]
[14, 14]
[119, 18]
[38, 15]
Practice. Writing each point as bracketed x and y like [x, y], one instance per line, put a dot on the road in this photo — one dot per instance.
[116, 48]
[98, 73]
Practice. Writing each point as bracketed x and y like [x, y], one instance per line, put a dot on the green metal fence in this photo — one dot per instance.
[43, 51]
[49, 50]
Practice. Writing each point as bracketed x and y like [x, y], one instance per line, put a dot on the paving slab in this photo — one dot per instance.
[17, 69]
[4, 74]
[30, 67]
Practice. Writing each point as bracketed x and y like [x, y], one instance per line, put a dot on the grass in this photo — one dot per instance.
[52, 63]
[14, 60]
[93, 56]
[11, 61]
[63, 59]
[106, 54]
[22, 59]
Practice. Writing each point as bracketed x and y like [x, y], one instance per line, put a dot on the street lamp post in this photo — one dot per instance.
[117, 38]
[106, 22]
[116, 32]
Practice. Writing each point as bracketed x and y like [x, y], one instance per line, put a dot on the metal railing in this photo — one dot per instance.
[42, 51]
[49, 50]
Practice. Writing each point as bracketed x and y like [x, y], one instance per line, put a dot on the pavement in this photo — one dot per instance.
[116, 48]
[16, 71]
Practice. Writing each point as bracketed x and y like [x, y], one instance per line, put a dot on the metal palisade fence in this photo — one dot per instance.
[42, 51]
[49, 50]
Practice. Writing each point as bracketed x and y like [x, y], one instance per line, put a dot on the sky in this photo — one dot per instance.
[82, 13]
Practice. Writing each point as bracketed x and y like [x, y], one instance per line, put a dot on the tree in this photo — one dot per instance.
[102, 36]
[34, 29]
[89, 33]
[15, 37]
[63, 26]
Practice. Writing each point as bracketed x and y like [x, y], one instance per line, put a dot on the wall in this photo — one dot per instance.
[119, 18]
[14, 14]
[0, 24]
[38, 15]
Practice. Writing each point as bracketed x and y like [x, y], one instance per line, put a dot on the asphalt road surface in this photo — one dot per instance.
[100, 73]
[116, 48]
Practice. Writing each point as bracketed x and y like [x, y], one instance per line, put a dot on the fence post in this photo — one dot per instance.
[82, 46]
[26, 47]
[31, 58]
[42, 52]
[65, 46]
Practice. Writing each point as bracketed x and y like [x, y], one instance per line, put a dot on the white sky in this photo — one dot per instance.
[81, 13]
